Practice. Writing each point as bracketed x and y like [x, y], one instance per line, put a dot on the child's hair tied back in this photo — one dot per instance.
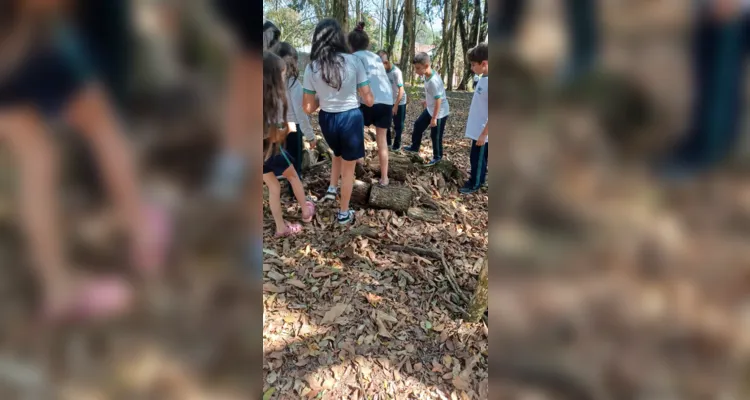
[360, 26]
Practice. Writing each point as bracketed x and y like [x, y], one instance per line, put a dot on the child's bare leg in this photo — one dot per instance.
[298, 189]
[38, 165]
[91, 113]
[335, 171]
[347, 183]
[274, 200]
[383, 153]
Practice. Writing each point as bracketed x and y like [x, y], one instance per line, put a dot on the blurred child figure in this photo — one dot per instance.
[296, 114]
[396, 77]
[477, 128]
[436, 111]
[332, 81]
[47, 75]
[582, 31]
[242, 108]
[720, 40]
[276, 160]
[379, 114]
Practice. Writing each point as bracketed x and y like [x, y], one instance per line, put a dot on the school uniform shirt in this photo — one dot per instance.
[397, 81]
[433, 90]
[334, 100]
[294, 111]
[379, 82]
[478, 111]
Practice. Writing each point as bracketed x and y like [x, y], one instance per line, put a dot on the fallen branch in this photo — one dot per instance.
[449, 273]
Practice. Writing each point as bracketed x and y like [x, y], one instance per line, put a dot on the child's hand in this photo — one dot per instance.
[433, 122]
[481, 141]
[395, 109]
[314, 144]
[424, 103]
[724, 10]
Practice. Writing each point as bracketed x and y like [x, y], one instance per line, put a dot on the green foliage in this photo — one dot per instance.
[295, 29]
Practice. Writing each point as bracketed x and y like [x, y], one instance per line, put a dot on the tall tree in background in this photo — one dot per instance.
[445, 42]
[469, 39]
[358, 11]
[407, 48]
[394, 17]
[452, 36]
[340, 12]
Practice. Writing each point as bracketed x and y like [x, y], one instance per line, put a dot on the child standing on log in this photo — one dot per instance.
[332, 81]
[296, 114]
[276, 160]
[379, 114]
[46, 75]
[399, 100]
[436, 111]
[477, 128]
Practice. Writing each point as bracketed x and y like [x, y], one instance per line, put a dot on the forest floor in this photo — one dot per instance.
[347, 316]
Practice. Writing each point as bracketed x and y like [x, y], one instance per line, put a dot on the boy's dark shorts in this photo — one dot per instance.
[244, 18]
[277, 163]
[379, 115]
[49, 76]
[344, 132]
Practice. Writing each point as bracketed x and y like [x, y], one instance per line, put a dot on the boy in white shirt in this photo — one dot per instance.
[436, 110]
[396, 77]
[477, 128]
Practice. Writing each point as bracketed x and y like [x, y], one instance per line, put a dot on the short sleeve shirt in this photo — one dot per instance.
[333, 100]
[433, 90]
[379, 83]
[478, 111]
[397, 81]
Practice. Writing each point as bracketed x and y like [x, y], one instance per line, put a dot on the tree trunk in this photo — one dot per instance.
[340, 12]
[407, 47]
[483, 28]
[481, 294]
[392, 197]
[452, 53]
[361, 193]
[399, 167]
[358, 8]
[446, 37]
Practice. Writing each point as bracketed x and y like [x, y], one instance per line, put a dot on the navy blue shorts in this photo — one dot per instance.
[379, 115]
[344, 132]
[277, 163]
[49, 76]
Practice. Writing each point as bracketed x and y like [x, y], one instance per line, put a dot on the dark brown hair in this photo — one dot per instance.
[288, 53]
[358, 38]
[328, 45]
[275, 107]
[271, 35]
[478, 53]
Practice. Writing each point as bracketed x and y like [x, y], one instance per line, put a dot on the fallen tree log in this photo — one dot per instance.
[450, 171]
[399, 167]
[422, 214]
[361, 193]
[478, 303]
[392, 197]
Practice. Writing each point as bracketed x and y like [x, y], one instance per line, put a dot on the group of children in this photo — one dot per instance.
[352, 88]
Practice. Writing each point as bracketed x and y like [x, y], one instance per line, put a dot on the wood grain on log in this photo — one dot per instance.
[392, 197]
[423, 214]
[360, 193]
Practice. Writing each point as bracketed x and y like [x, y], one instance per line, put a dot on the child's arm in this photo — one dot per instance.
[483, 136]
[299, 113]
[436, 112]
[310, 103]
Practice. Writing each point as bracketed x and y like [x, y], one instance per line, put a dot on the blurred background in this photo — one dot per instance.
[193, 332]
[619, 200]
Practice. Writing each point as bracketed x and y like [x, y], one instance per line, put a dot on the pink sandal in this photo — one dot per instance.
[310, 206]
[94, 298]
[291, 230]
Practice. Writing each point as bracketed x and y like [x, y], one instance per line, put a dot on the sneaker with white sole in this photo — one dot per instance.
[330, 194]
[346, 217]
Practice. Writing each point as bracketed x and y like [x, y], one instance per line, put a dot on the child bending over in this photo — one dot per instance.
[276, 160]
